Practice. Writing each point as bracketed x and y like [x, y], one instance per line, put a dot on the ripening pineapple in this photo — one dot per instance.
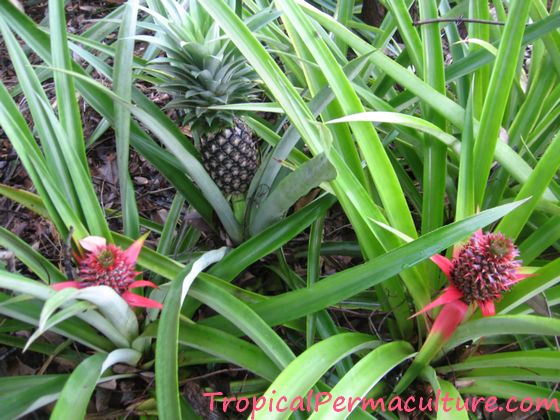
[202, 69]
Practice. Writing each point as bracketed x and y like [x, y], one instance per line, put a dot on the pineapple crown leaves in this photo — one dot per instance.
[201, 69]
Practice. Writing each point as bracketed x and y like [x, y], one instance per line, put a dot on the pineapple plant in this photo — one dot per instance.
[201, 69]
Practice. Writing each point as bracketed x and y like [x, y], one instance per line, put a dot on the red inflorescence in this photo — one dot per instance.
[108, 265]
[485, 267]
[481, 270]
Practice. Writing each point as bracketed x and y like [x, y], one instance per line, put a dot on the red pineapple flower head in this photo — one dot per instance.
[480, 272]
[485, 267]
[108, 265]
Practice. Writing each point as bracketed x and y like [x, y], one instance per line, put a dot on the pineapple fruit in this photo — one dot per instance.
[230, 156]
[202, 69]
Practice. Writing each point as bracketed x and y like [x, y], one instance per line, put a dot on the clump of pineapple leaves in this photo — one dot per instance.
[318, 155]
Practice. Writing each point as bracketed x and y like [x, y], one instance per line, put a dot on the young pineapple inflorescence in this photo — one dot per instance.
[485, 267]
